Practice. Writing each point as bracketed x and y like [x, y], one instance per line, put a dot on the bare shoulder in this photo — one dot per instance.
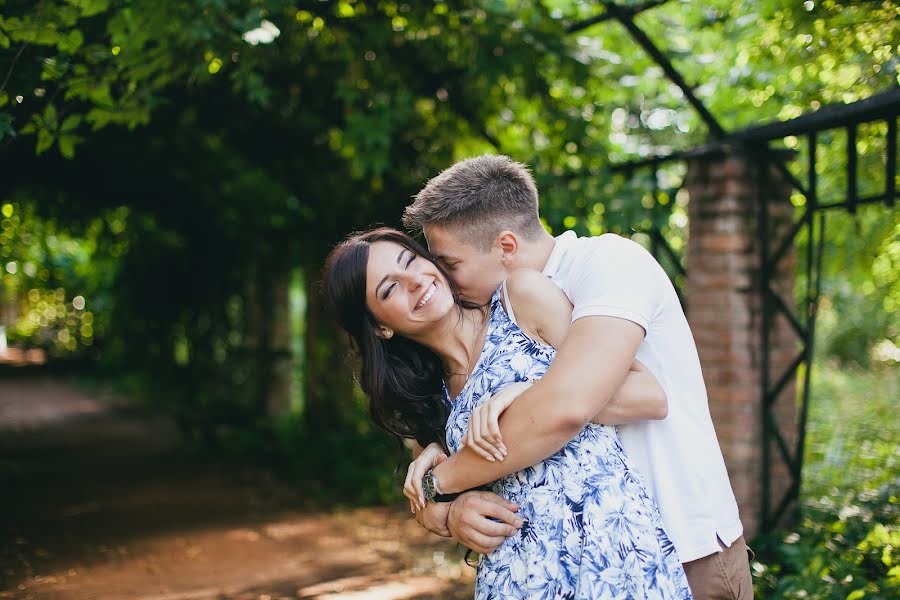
[540, 306]
[529, 286]
[525, 281]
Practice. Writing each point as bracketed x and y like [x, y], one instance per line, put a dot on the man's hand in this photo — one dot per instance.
[470, 520]
[434, 518]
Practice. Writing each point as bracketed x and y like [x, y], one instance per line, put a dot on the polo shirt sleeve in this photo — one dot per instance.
[617, 278]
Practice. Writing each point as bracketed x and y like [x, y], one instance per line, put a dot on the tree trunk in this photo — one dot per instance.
[328, 380]
[269, 337]
[278, 401]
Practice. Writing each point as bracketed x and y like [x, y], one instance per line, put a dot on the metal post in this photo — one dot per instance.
[762, 286]
[890, 178]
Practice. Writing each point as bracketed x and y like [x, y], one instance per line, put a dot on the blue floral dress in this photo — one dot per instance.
[591, 530]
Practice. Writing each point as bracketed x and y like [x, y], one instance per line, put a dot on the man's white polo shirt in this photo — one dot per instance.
[679, 457]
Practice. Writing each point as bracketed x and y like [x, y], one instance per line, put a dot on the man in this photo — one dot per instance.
[480, 218]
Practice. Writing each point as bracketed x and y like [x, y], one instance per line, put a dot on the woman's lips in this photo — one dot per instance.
[427, 297]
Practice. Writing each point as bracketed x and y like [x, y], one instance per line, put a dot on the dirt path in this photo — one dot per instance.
[98, 503]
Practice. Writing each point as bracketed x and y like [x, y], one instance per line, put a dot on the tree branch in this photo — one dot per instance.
[606, 16]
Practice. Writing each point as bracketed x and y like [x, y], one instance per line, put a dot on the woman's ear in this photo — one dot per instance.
[509, 247]
[384, 333]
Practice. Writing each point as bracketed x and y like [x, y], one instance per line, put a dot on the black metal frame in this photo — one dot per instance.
[882, 107]
[757, 142]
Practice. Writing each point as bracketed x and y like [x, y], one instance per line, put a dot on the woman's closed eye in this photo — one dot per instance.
[391, 287]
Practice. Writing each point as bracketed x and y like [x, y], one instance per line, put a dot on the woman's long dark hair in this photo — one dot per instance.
[402, 378]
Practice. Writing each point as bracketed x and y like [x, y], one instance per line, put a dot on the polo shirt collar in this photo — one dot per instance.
[564, 243]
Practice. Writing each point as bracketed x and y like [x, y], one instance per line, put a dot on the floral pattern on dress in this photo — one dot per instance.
[591, 529]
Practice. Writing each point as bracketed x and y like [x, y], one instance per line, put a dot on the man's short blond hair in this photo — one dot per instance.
[478, 198]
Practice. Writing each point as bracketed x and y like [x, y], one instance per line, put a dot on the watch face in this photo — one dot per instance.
[428, 487]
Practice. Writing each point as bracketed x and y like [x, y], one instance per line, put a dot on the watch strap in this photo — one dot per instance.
[445, 497]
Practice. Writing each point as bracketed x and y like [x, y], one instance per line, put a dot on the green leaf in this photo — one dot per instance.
[6, 128]
[44, 141]
[71, 42]
[70, 123]
[92, 7]
[67, 145]
[50, 116]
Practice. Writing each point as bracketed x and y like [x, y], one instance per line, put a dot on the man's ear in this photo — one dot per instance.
[508, 243]
[384, 333]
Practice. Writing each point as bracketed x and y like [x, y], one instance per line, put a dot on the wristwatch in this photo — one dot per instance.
[431, 490]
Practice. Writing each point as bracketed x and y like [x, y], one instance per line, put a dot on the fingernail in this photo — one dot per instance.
[503, 450]
[499, 457]
[491, 458]
[518, 523]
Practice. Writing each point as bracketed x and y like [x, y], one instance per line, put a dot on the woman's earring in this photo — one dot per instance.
[387, 333]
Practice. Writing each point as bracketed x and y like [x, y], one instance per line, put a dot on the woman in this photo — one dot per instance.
[592, 531]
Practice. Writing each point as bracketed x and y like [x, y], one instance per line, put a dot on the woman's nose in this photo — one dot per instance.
[416, 281]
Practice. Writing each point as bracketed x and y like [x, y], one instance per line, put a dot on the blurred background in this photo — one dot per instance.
[177, 417]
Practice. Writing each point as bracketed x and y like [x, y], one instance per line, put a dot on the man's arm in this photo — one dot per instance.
[640, 398]
[546, 314]
[539, 422]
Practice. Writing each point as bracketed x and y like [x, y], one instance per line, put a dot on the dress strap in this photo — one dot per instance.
[508, 304]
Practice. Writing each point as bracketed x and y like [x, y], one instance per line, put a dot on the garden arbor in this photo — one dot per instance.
[755, 342]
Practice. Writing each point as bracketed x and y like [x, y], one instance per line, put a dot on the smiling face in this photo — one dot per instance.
[476, 273]
[405, 292]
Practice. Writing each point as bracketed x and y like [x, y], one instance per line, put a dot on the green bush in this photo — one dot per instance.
[354, 464]
[847, 544]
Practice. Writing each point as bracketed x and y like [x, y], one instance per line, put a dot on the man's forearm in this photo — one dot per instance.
[549, 414]
[640, 398]
[621, 413]
[530, 435]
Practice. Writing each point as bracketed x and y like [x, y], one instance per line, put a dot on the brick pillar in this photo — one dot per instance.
[724, 304]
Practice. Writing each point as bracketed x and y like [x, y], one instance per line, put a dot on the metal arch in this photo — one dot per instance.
[625, 16]
[884, 107]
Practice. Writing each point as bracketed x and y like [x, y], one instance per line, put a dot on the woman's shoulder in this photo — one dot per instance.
[527, 282]
[530, 288]
[540, 306]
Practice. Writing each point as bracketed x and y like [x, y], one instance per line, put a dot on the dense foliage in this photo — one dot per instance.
[847, 544]
[174, 172]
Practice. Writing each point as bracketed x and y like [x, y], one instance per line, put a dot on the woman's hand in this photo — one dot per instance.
[431, 456]
[483, 435]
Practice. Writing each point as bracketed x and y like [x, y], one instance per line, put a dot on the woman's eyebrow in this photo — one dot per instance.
[385, 278]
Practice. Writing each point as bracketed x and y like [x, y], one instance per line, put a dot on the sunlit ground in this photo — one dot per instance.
[109, 506]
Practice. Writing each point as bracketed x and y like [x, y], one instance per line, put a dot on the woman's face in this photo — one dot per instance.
[405, 292]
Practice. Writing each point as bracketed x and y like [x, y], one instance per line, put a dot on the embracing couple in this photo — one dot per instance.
[560, 377]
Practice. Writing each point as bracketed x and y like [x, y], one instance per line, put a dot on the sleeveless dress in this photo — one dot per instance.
[591, 529]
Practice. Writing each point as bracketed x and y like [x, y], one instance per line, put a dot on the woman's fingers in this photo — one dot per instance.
[488, 428]
[408, 490]
[412, 487]
[494, 413]
[480, 443]
[473, 437]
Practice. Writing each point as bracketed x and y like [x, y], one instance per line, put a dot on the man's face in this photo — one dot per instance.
[476, 273]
